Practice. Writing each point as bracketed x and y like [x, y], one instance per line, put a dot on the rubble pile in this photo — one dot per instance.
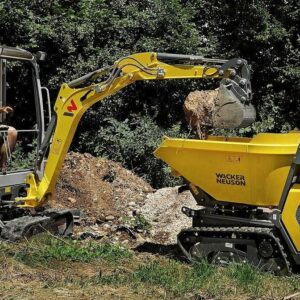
[117, 206]
[100, 188]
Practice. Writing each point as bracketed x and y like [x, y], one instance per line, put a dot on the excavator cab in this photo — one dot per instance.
[20, 88]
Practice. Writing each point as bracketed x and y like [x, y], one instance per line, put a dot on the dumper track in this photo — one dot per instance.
[221, 245]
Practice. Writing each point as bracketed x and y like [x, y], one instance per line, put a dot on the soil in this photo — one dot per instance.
[198, 108]
[118, 206]
[98, 187]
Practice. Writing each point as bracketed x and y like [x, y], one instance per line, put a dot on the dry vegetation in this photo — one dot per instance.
[47, 268]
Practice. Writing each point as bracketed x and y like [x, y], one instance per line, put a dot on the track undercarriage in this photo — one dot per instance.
[24, 224]
[227, 235]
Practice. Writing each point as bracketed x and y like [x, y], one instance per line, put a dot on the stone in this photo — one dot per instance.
[92, 235]
[106, 226]
[94, 227]
[72, 200]
[100, 220]
[109, 218]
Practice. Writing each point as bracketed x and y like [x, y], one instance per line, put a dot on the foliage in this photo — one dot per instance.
[132, 142]
[82, 35]
[21, 159]
[138, 222]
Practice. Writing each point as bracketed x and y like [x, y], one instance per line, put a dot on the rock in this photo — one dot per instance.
[140, 240]
[127, 229]
[114, 228]
[93, 235]
[100, 220]
[136, 212]
[131, 203]
[106, 226]
[94, 227]
[72, 200]
[162, 210]
[152, 232]
[109, 218]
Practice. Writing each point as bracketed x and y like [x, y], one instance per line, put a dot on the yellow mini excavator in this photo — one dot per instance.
[248, 188]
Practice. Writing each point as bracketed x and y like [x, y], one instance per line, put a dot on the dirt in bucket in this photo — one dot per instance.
[198, 108]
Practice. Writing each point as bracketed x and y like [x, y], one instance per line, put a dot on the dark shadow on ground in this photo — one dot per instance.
[170, 251]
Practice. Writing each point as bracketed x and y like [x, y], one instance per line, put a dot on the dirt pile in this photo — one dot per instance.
[100, 188]
[198, 108]
[116, 205]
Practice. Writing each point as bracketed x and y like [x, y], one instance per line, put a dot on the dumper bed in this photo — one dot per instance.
[249, 171]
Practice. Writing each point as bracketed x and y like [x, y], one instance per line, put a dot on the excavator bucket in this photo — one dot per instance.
[229, 110]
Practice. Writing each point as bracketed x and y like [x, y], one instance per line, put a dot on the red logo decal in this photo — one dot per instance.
[72, 107]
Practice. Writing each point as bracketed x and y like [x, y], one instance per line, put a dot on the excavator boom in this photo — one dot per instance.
[77, 96]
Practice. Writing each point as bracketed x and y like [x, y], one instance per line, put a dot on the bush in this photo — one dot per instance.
[132, 143]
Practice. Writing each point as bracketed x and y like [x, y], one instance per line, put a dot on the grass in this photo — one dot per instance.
[50, 266]
[246, 276]
[44, 249]
[171, 276]
[138, 222]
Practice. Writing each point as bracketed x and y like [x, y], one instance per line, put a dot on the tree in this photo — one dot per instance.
[83, 35]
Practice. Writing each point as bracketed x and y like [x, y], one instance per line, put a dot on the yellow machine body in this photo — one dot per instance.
[76, 97]
[239, 170]
[291, 215]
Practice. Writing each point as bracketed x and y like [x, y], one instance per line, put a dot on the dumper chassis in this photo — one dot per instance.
[224, 233]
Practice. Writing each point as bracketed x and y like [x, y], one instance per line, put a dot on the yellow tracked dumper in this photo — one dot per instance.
[250, 196]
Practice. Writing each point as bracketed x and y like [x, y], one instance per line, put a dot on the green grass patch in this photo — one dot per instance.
[46, 249]
[174, 277]
[246, 276]
[117, 267]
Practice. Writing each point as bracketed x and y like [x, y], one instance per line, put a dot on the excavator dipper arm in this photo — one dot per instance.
[77, 96]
